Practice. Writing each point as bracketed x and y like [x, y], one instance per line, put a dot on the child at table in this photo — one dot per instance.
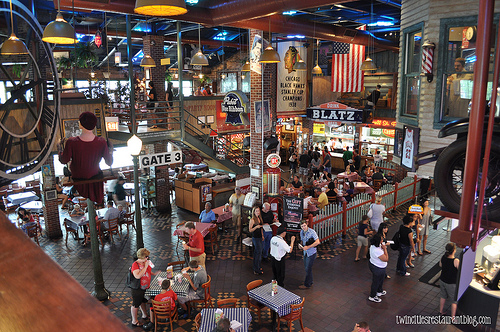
[167, 294]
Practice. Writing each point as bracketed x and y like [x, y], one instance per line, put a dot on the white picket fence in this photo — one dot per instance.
[337, 218]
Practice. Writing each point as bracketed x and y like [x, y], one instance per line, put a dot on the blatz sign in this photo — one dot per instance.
[334, 111]
[235, 105]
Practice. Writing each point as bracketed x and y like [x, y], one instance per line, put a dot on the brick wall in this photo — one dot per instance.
[259, 91]
[162, 182]
[157, 74]
[50, 207]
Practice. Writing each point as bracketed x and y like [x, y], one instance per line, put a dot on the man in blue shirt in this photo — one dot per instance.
[309, 240]
[207, 215]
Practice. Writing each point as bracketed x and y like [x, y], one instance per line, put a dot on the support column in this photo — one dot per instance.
[162, 182]
[153, 46]
[50, 207]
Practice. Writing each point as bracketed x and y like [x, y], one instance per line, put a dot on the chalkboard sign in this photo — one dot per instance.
[293, 210]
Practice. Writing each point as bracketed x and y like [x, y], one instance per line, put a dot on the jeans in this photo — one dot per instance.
[308, 264]
[257, 253]
[404, 250]
[267, 244]
[378, 276]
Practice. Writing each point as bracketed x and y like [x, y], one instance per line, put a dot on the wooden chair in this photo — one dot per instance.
[71, 230]
[128, 221]
[197, 321]
[377, 184]
[227, 303]
[251, 303]
[206, 301]
[295, 314]
[212, 239]
[177, 266]
[113, 229]
[8, 205]
[163, 313]
[332, 199]
[36, 218]
[32, 231]
[99, 234]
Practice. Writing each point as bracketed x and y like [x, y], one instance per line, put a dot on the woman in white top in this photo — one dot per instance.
[378, 212]
[378, 263]
[425, 225]
[236, 201]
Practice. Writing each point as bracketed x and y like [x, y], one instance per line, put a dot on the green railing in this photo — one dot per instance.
[165, 115]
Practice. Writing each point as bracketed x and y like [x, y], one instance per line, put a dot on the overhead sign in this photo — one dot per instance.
[160, 159]
[234, 105]
[273, 160]
[111, 123]
[333, 111]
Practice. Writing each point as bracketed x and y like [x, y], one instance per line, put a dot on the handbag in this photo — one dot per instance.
[132, 282]
[370, 212]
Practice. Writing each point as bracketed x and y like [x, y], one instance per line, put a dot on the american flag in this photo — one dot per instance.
[346, 63]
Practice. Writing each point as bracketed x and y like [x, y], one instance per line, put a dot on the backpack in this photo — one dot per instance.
[132, 282]
[395, 238]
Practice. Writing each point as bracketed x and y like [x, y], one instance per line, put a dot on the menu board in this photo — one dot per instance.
[293, 209]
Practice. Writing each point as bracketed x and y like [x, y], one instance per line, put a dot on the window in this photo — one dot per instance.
[411, 73]
[456, 68]
[187, 87]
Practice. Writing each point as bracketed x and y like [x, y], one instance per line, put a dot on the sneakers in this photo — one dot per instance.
[375, 299]
[407, 274]
[381, 293]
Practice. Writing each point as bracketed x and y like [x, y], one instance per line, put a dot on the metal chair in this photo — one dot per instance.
[252, 304]
[227, 303]
[163, 313]
[295, 314]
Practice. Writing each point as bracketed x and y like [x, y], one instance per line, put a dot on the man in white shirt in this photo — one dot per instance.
[111, 213]
[279, 248]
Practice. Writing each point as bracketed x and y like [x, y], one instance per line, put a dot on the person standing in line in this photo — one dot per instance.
[279, 248]
[448, 280]
[347, 156]
[378, 213]
[310, 241]
[327, 165]
[356, 160]
[236, 201]
[378, 262]
[363, 234]
[267, 218]
[153, 99]
[255, 227]
[315, 164]
[304, 161]
[196, 246]
[406, 245]
[425, 227]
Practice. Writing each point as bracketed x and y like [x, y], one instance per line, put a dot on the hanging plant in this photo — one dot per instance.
[205, 80]
[17, 70]
[64, 63]
[85, 56]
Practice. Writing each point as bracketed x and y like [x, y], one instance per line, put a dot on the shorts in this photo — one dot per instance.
[138, 297]
[447, 291]
[303, 170]
[362, 241]
[191, 295]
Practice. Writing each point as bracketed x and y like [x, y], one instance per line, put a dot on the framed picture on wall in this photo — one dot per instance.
[201, 120]
[51, 195]
[71, 128]
[210, 119]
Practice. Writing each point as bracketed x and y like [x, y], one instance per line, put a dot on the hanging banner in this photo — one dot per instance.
[410, 147]
[293, 209]
[291, 90]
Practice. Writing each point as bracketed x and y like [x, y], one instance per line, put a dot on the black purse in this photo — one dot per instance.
[132, 282]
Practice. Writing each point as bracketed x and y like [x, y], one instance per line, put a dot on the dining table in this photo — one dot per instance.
[239, 315]
[223, 215]
[352, 176]
[33, 206]
[180, 288]
[362, 187]
[279, 303]
[21, 198]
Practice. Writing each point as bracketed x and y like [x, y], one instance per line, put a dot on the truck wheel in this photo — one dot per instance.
[449, 175]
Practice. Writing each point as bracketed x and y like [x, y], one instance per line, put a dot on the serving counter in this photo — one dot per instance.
[192, 193]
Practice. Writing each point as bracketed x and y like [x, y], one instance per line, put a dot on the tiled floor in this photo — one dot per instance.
[336, 302]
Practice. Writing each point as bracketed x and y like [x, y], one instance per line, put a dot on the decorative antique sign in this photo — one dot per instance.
[273, 160]
[98, 39]
[335, 111]
[234, 105]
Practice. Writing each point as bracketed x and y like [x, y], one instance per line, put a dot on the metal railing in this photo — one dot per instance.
[337, 218]
[165, 114]
[218, 143]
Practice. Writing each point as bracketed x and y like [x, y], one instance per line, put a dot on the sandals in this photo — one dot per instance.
[420, 253]
[427, 251]
[136, 325]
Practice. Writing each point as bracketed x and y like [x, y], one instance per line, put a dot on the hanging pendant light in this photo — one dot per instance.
[300, 65]
[246, 66]
[13, 45]
[199, 59]
[270, 55]
[147, 61]
[368, 64]
[317, 69]
[160, 7]
[59, 31]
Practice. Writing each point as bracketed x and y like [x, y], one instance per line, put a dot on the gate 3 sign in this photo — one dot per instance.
[160, 159]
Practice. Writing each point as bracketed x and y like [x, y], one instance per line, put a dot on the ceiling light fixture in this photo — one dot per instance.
[148, 62]
[59, 31]
[368, 64]
[13, 45]
[270, 55]
[300, 65]
[160, 7]
[199, 59]
[317, 69]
